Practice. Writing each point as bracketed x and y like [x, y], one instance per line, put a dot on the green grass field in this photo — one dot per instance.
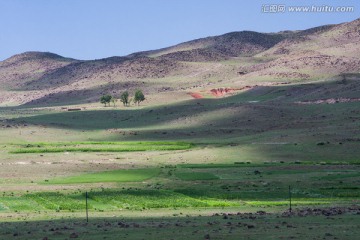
[177, 187]
[101, 147]
[127, 175]
[192, 176]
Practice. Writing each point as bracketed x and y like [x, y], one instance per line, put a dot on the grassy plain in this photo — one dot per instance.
[167, 164]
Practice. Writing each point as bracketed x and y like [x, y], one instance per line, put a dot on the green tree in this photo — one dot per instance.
[106, 99]
[139, 97]
[124, 98]
[113, 101]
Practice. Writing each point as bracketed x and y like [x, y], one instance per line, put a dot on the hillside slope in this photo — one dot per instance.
[24, 67]
[235, 61]
[321, 54]
[234, 44]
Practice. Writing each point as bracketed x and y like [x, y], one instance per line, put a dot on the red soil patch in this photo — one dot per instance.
[196, 95]
[220, 92]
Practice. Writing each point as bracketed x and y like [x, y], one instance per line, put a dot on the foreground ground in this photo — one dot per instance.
[326, 223]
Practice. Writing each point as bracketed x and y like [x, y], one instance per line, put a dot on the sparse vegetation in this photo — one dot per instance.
[139, 97]
[124, 98]
[113, 101]
[106, 99]
[101, 147]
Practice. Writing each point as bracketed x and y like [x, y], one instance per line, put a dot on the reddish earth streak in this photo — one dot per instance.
[196, 95]
[219, 92]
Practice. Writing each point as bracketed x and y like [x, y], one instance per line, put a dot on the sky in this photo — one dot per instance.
[93, 29]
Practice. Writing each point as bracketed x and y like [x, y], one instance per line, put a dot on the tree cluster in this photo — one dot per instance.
[106, 99]
[124, 98]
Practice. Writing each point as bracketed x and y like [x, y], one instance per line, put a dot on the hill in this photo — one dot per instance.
[234, 44]
[234, 61]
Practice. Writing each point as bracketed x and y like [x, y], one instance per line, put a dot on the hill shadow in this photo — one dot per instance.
[72, 72]
[82, 96]
[271, 108]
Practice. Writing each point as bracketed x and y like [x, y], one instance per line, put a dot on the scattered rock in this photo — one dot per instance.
[256, 172]
[249, 226]
[74, 235]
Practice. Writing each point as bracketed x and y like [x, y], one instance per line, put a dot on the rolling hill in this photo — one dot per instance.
[233, 61]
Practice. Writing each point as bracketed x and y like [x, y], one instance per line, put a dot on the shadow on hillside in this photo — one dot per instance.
[73, 72]
[267, 117]
[257, 111]
[178, 115]
[82, 96]
[346, 85]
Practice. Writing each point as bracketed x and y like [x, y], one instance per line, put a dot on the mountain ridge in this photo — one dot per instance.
[234, 60]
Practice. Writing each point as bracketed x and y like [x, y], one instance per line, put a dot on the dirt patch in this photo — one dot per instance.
[220, 92]
[196, 95]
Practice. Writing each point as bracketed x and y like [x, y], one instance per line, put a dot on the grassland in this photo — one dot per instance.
[192, 226]
[101, 147]
[170, 163]
[127, 175]
[173, 187]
